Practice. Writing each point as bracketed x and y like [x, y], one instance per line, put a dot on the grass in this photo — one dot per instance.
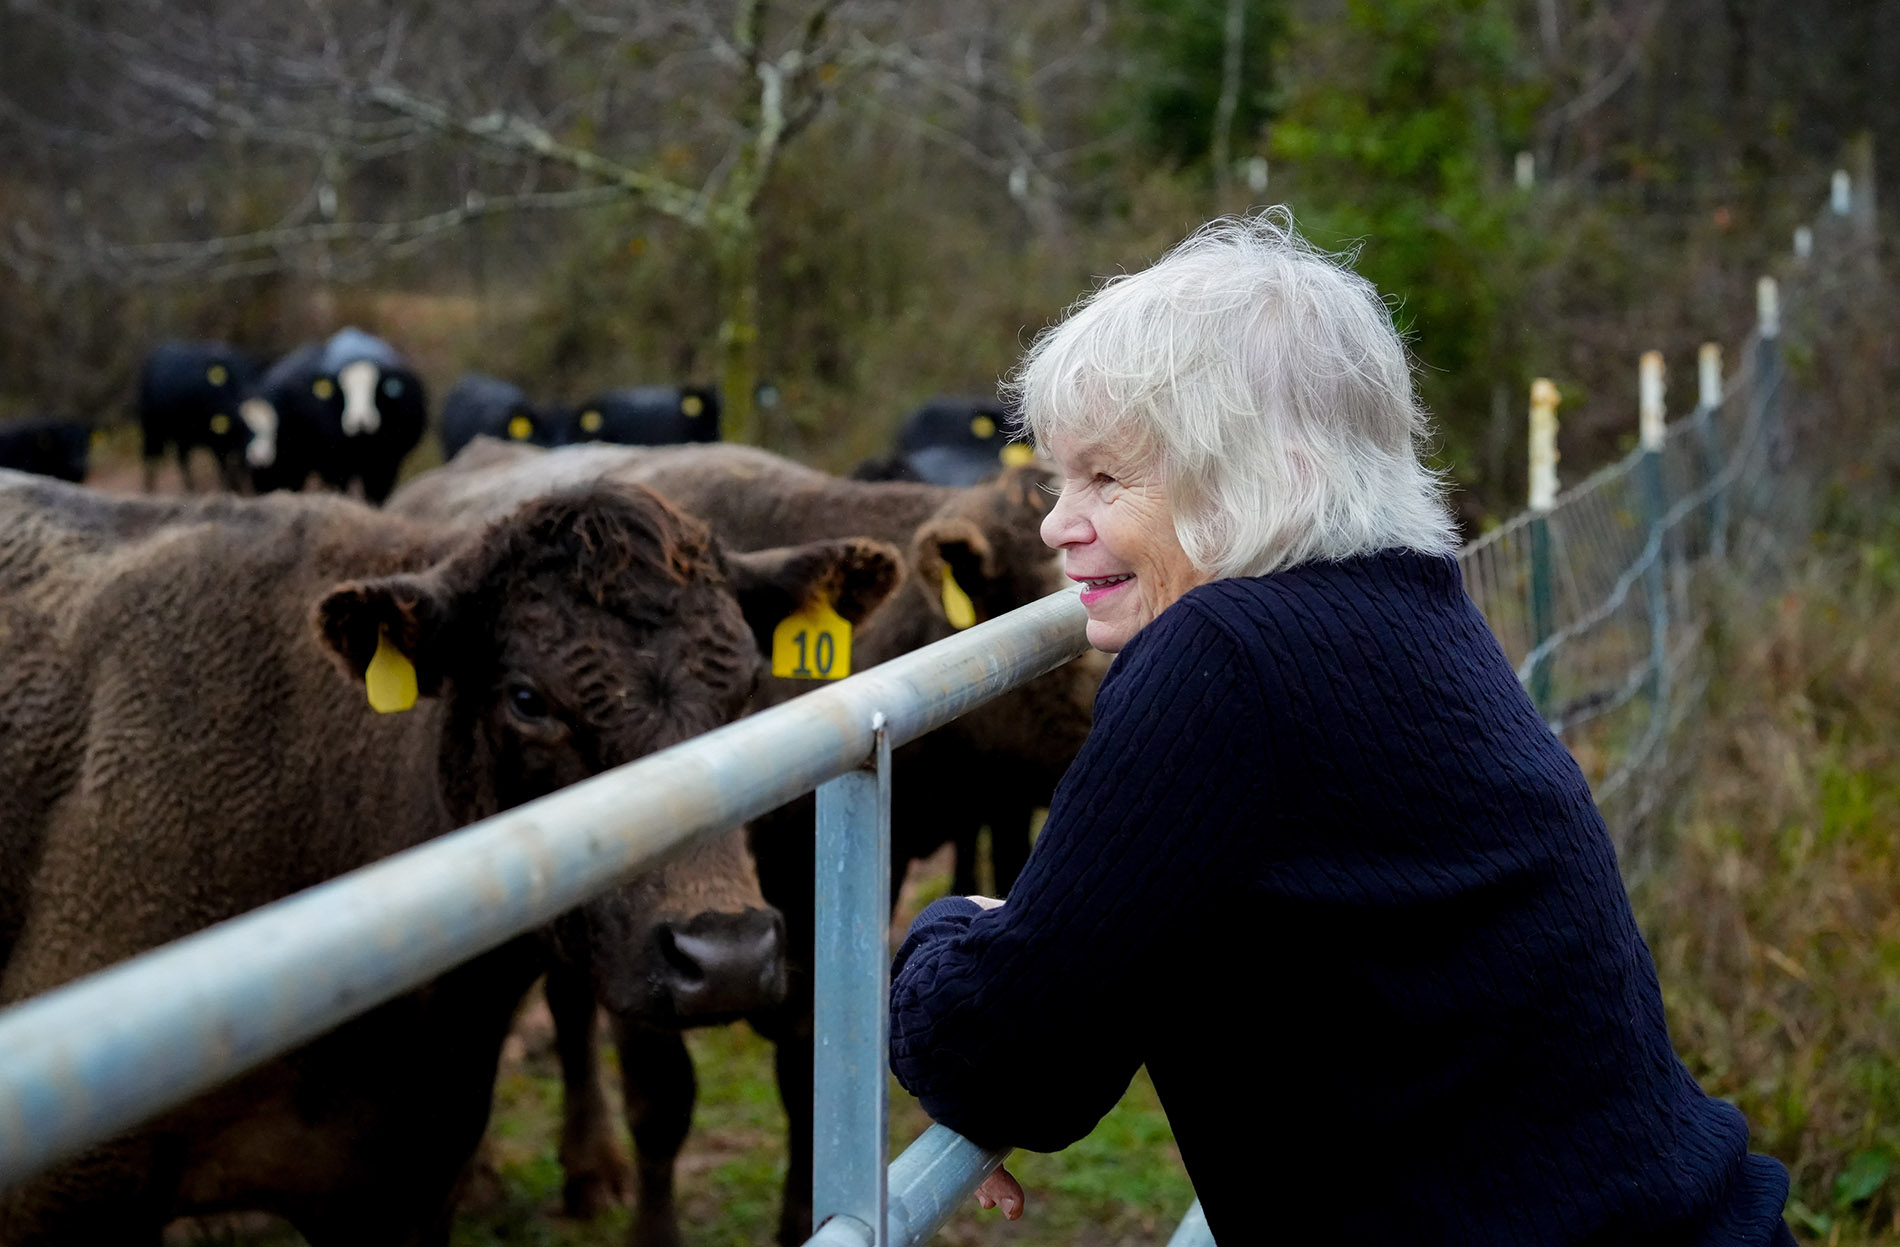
[1123, 1186]
[1776, 921]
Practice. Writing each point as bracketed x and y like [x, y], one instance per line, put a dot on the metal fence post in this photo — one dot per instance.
[851, 981]
[1544, 400]
[1766, 378]
[1708, 402]
[1655, 506]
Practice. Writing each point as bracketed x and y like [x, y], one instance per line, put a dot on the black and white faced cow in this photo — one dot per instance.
[384, 412]
[189, 394]
[292, 418]
[347, 409]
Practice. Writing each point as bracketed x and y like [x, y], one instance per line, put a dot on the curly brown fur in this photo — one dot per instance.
[183, 738]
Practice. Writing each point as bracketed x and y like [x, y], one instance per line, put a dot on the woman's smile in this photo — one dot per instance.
[1095, 588]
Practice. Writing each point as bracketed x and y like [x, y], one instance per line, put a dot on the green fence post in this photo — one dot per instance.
[1543, 482]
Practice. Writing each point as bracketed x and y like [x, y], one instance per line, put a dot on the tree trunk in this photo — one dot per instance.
[736, 246]
[1220, 148]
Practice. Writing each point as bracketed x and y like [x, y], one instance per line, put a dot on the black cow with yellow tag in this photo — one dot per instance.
[950, 441]
[347, 410]
[647, 415]
[188, 397]
[483, 406]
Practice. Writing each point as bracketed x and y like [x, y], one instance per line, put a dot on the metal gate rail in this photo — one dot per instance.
[98, 1056]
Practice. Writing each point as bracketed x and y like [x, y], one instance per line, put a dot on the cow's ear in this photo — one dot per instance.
[957, 564]
[853, 575]
[387, 633]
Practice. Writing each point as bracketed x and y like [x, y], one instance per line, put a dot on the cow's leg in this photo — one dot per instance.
[963, 878]
[1009, 843]
[657, 1074]
[151, 451]
[595, 1168]
[790, 1030]
[184, 467]
[379, 481]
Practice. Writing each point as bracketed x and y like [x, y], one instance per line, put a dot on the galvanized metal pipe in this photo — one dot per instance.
[851, 987]
[932, 1179]
[89, 1060]
[1193, 1231]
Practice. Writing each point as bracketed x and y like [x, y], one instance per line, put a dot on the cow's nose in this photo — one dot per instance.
[722, 964]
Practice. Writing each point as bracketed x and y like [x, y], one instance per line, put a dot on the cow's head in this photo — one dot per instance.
[980, 556]
[582, 631]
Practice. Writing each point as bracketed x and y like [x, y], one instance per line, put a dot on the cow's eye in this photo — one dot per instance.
[527, 703]
[392, 386]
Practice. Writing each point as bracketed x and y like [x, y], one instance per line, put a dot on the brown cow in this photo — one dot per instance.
[991, 767]
[184, 736]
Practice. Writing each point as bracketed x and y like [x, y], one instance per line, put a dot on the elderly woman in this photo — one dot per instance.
[1320, 865]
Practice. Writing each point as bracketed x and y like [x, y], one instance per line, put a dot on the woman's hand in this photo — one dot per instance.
[987, 902]
[1001, 1187]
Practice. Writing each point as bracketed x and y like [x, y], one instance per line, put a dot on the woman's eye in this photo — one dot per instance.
[527, 703]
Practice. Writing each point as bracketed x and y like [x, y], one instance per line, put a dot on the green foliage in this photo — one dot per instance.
[1177, 50]
[1398, 130]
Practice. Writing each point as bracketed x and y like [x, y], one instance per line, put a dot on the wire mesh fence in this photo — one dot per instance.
[1605, 600]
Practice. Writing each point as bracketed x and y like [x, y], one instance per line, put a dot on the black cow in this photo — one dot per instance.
[949, 441]
[293, 416]
[188, 396]
[647, 415]
[385, 410]
[481, 405]
[346, 409]
[47, 446]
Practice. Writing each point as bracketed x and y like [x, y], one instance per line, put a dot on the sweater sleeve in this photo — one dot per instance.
[1020, 1026]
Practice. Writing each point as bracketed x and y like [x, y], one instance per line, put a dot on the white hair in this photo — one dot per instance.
[1267, 381]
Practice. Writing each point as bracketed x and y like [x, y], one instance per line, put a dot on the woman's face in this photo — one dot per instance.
[1115, 530]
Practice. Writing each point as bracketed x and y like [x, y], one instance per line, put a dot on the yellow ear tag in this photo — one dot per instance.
[1016, 454]
[692, 405]
[322, 387]
[591, 421]
[957, 606]
[521, 428]
[390, 678]
[220, 424]
[813, 643]
[217, 375]
[983, 427]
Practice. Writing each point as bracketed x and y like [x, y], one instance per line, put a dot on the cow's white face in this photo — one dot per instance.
[261, 419]
[358, 381]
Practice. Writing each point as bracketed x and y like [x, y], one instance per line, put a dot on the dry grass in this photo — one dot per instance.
[1776, 922]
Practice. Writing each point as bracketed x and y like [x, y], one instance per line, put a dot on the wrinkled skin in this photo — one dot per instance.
[992, 767]
[184, 736]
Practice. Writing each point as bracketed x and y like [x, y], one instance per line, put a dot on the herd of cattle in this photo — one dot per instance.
[196, 718]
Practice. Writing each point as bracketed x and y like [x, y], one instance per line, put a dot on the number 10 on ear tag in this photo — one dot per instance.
[813, 644]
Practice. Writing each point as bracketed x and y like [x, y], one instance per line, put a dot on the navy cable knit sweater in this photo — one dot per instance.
[1322, 868]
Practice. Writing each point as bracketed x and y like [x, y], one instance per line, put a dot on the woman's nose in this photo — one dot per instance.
[1065, 525]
